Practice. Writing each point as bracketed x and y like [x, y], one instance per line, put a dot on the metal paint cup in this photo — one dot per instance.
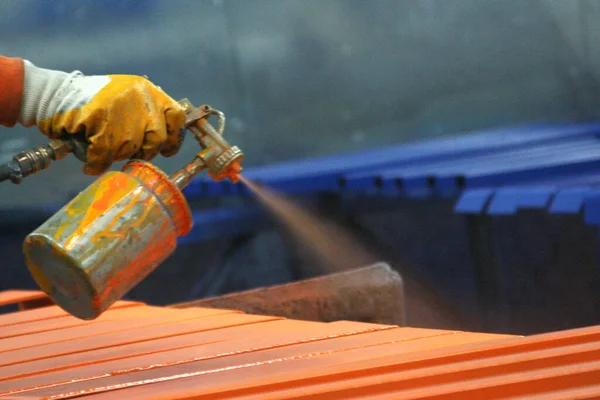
[108, 238]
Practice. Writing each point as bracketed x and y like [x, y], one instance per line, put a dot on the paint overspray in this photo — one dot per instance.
[331, 246]
[335, 249]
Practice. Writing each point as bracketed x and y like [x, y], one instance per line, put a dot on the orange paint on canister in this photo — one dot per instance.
[88, 260]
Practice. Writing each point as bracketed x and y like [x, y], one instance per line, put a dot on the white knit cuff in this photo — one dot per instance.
[39, 90]
[47, 92]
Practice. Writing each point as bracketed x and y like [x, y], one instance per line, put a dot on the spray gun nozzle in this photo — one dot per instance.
[226, 165]
[221, 159]
[234, 172]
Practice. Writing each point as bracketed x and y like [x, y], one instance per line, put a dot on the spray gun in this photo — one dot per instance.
[220, 158]
[124, 225]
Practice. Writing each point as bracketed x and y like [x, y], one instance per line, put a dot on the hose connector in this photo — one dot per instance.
[34, 160]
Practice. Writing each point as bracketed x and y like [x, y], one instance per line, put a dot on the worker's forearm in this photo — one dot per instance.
[11, 89]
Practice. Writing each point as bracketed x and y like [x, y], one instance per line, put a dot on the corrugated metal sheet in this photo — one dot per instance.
[555, 168]
[496, 157]
[137, 351]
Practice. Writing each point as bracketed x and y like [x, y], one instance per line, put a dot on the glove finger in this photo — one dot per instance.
[128, 148]
[154, 136]
[150, 148]
[93, 128]
[175, 119]
[99, 156]
[130, 141]
[71, 123]
[127, 126]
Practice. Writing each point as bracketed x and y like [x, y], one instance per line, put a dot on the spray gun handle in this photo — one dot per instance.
[78, 146]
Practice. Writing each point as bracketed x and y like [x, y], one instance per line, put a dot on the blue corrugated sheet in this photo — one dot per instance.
[552, 167]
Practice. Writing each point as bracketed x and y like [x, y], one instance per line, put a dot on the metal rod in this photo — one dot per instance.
[182, 177]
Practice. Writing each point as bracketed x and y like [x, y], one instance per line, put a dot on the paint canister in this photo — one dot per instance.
[108, 238]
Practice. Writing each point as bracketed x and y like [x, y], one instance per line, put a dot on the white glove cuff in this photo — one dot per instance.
[47, 92]
[39, 89]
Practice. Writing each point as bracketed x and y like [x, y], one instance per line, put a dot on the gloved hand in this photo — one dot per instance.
[122, 116]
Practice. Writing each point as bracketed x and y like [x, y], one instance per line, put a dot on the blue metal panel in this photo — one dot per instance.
[507, 201]
[363, 170]
[225, 222]
[498, 172]
[473, 201]
[569, 201]
[579, 154]
[591, 208]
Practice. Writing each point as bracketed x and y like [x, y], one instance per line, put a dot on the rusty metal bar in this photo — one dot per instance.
[370, 294]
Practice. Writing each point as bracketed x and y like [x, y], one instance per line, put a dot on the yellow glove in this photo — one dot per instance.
[122, 116]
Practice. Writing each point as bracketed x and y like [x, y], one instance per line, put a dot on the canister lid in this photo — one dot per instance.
[60, 277]
[166, 191]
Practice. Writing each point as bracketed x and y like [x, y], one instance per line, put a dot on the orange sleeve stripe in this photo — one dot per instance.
[11, 89]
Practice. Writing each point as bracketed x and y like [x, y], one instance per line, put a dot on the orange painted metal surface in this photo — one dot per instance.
[137, 351]
[19, 296]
